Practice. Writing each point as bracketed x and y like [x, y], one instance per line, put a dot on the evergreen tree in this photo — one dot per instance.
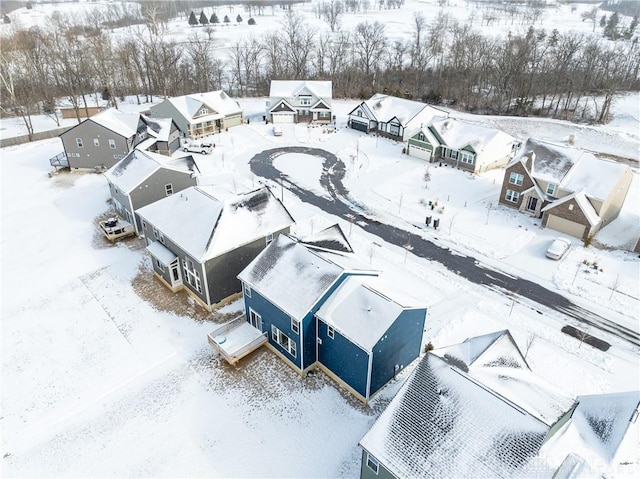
[611, 29]
[603, 20]
[251, 21]
[192, 19]
[238, 19]
[203, 19]
[214, 18]
[631, 29]
[226, 19]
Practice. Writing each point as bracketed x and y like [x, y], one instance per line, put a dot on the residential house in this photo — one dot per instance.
[463, 145]
[104, 139]
[292, 101]
[201, 114]
[477, 410]
[201, 240]
[143, 177]
[164, 136]
[323, 308]
[573, 191]
[392, 117]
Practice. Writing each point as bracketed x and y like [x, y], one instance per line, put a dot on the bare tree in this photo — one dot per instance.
[369, 46]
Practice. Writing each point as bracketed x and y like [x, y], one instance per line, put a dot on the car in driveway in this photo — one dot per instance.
[203, 148]
[558, 248]
[277, 131]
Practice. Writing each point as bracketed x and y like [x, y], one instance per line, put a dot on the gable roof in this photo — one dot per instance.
[206, 227]
[291, 275]
[442, 423]
[124, 124]
[291, 88]
[159, 128]
[386, 107]
[218, 102]
[596, 177]
[331, 238]
[139, 165]
[583, 203]
[458, 134]
[362, 310]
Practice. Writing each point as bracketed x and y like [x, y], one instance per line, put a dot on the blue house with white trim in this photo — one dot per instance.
[322, 307]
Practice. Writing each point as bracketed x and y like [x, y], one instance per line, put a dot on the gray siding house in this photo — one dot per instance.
[143, 177]
[200, 114]
[200, 243]
[292, 101]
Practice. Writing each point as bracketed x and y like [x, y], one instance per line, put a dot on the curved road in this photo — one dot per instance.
[465, 266]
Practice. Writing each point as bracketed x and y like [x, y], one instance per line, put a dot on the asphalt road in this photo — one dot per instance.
[466, 266]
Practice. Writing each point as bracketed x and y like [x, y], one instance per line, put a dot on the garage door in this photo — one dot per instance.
[282, 117]
[565, 226]
[419, 152]
[356, 125]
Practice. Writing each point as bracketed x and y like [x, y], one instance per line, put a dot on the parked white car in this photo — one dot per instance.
[202, 148]
[558, 248]
[277, 131]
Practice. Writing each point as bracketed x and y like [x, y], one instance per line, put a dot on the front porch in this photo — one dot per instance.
[236, 339]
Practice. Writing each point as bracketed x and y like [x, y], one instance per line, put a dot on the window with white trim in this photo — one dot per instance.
[168, 189]
[156, 235]
[330, 332]
[96, 142]
[467, 157]
[372, 463]
[283, 341]
[247, 290]
[159, 265]
[512, 196]
[269, 238]
[305, 101]
[144, 225]
[420, 137]
[516, 179]
[255, 319]
[551, 189]
[191, 274]
[79, 143]
[203, 111]
[295, 326]
[112, 144]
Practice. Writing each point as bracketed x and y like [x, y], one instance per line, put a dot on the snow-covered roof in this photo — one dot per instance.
[596, 177]
[551, 162]
[124, 124]
[331, 238]
[138, 165]
[458, 134]
[582, 201]
[291, 275]
[291, 88]
[162, 253]
[386, 107]
[362, 310]
[206, 227]
[219, 103]
[442, 423]
[159, 128]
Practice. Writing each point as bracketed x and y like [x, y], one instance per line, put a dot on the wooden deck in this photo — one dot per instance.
[115, 228]
[236, 339]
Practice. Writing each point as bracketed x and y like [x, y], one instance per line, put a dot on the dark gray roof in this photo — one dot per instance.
[331, 238]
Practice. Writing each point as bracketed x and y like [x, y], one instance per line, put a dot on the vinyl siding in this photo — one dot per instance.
[91, 156]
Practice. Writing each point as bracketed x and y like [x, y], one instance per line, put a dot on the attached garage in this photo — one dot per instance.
[565, 226]
[420, 152]
[359, 125]
[282, 117]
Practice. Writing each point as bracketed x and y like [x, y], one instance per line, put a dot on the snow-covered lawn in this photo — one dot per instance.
[99, 380]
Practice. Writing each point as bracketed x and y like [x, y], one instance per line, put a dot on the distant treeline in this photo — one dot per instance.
[441, 61]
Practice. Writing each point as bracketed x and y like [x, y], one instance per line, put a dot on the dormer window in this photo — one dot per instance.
[551, 189]
[203, 111]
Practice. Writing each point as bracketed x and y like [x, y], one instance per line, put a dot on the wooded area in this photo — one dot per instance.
[538, 73]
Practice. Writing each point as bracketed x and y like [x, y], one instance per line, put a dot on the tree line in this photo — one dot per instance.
[534, 73]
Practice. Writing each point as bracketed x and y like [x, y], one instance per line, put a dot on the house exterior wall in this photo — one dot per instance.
[527, 183]
[570, 210]
[165, 109]
[343, 358]
[397, 348]
[303, 113]
[495, 156]
[153, 188]
[366, 473]
[612, 205]
[121, 203]
[90, 156]
[222, 271]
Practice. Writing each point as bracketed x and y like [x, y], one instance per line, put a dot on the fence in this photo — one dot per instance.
[41, 135]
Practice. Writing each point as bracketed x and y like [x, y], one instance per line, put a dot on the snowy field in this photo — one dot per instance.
[102, 379]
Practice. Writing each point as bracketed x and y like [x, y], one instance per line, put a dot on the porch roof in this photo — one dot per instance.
[161, 253]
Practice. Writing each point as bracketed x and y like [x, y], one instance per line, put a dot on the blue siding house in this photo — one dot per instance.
[322, 307]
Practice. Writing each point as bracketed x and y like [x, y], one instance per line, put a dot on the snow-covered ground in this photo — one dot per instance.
[98, 379]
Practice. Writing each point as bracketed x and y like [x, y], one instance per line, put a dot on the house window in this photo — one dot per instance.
[330, 332]
[255, 319]
[160, 237]
[324, 114]
[96, 142]
[144, 225]
[112, 144]
[247, 290]
[155, 233]
[420, 136]
[283, 341]
[168, 189]
[295, 326]
[512, 196]
[203, 111]
[359, 113]
[516, 179]
[192, 276]
[467, 157]
[372, 463]
[79, 143]
[269, 238]
[159, 265]
[551, 189]
[305, 101]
